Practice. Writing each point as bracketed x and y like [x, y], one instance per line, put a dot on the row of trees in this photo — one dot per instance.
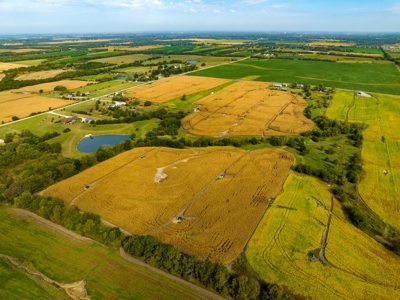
[211, 275]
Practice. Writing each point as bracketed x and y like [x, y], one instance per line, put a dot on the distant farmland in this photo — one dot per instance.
[248, 108]
[205, 201]
[48, 87]
[285, 248]
[39, 75]
[382, 78]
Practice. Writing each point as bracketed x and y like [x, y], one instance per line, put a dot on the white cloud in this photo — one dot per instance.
[252, 2]
[280, 5]
[232, 11]
[192, 10]
[217, 11]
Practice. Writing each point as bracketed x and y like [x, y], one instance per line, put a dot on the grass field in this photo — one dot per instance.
[39, 75]
[205, 201]
[31, 62]
[340, 105]
[105, 88]
[208, 60]
[380, 151]
[124, 59]
[171, 88]
[383, 78]
[248, 108]
[292, 228]
[22, 105]
[367, 50]
[8, 66]
[48, 87]
[66, 259]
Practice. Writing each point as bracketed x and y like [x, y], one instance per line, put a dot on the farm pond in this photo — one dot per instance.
[92, 142]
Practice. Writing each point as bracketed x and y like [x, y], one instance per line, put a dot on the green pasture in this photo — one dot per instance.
[170, 49]
[65, 259]
[104, 88]
[367, 50]
[380, 150]
[383, 78]
[208, 60]
[123, 59]
[32, 62]
[15, 283]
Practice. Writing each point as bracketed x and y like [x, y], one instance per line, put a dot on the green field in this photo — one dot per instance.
[292, 228]
[367, 50]
[380, 150]
[33, 62]
[66, 259]
[123, 59]
[16, 283]
[104, 88]
[169, 49]
[383, 78]
[341, 103]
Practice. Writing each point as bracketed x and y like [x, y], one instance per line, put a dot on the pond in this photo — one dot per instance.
[192, 62]
[91, 143]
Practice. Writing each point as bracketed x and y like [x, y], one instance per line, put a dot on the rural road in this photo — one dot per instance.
[205, 294]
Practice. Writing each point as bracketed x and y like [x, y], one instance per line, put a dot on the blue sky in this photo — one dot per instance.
[88, 16]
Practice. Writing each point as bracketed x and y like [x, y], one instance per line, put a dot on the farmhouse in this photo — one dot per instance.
[69, 120]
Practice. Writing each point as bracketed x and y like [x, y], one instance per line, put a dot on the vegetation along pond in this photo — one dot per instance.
[93, 142]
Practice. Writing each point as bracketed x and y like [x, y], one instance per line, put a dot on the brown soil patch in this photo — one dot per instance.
[48, 87]
[174, 87]
[39, 75]
[248, 109]
[22, 105]
[218, 194]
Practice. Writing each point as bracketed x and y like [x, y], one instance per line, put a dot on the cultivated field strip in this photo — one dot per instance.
[174, 87]
[39, 75]
[22, 105]
[248, 108]
[206, 201]
[293, 227]
[49, 86]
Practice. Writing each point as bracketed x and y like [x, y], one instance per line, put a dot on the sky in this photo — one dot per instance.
[129, 16]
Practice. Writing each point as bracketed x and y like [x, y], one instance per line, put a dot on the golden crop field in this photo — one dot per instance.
[39, 75]
[248, 108]
[25, 50]
[292, 228]
[206, 201]
[22, 105]
[48, 87]
[174, 87]
[2, 76]
[8, 66]
[380, 152]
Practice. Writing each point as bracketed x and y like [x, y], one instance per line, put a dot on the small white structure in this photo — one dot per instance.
[362, 94]
[278, 85]
[1, 141]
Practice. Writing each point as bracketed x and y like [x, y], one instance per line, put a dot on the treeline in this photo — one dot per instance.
[212, 275]
[53, 209]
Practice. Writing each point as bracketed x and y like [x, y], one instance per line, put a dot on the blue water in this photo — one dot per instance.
[192, 62]
[87, 144]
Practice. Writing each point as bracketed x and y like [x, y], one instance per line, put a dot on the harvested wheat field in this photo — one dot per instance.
[48, 87]
[206, 201]
[39, 75]
[174, 87]
[8, 66]
[2, 76]
[22, 105]
[25, 50]
[248, 108]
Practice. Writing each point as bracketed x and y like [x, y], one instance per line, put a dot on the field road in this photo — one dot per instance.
[324, 260]
[55, 227]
